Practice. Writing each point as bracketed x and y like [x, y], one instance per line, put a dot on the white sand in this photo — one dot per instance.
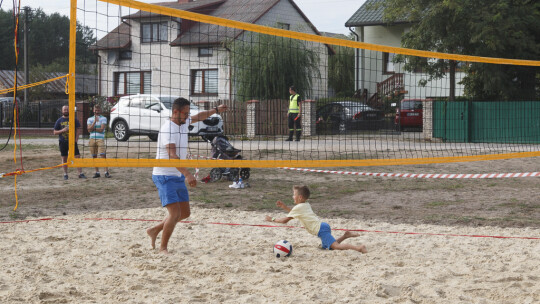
[86, 261]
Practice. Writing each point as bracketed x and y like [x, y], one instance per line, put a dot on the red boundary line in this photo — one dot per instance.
[275, 226]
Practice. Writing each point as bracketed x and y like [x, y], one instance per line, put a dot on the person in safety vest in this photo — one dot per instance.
[294, 119]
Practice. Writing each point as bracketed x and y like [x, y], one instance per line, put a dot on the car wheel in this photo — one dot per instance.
[215, 174]
[153, 137]
[121, 130]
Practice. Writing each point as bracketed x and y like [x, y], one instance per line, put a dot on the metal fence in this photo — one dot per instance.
[38, 114]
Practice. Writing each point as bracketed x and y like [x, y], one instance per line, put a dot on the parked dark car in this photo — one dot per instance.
[409, 114]
[343, 116]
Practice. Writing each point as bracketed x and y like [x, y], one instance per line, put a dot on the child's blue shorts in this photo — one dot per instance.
[325, 234]
[171, 189]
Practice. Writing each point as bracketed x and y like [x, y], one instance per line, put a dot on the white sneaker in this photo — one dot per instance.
[234, 185]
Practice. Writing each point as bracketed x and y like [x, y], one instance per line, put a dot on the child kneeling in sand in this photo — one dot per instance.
[303, 212]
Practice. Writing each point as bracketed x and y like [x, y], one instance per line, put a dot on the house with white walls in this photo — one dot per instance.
[375, 72]
[152, 53]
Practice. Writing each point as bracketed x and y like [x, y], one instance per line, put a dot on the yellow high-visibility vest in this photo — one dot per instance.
[293, 104]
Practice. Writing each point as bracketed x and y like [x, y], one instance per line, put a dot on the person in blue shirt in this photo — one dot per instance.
[61, 128]
[96, 126]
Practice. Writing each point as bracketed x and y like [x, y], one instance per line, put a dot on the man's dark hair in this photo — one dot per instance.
[179, 103]
[292, 88]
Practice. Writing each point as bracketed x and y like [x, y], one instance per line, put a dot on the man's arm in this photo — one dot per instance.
[57, 130]
[171, 151]
[205, 114]
[102, 128]
[91, 126]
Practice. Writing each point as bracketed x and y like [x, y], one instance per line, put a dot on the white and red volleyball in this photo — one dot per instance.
[282, 249]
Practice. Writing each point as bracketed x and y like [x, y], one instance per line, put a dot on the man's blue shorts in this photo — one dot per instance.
[325, 234]
[171, 189]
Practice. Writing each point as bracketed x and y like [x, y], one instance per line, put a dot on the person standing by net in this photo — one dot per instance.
[96, 126]
[170, 181]
[294, 119]
[61, 128]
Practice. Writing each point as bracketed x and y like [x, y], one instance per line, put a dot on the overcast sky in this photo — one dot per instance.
[326, 15]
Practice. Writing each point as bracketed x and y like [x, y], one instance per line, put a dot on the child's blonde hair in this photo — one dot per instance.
[302, 191]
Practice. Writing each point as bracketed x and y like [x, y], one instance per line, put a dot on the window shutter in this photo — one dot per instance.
[197, 82]
[133, 83]
[211, 81]
[120, 84]
[147, 82]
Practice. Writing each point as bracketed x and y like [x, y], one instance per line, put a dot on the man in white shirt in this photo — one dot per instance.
[170, 181]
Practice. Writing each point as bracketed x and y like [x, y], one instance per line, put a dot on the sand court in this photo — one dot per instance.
[77, 259]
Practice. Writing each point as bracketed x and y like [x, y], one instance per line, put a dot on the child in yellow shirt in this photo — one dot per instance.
[303, 212]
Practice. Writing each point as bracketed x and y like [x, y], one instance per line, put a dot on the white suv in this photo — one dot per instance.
[143, 114]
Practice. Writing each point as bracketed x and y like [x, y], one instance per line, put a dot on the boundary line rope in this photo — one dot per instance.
[290, 227]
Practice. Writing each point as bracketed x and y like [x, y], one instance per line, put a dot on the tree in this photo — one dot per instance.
[48, 41]
[265, 66]
[341, 71]
[490, 28]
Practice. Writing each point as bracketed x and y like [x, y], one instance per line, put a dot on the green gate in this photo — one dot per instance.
[487, 121]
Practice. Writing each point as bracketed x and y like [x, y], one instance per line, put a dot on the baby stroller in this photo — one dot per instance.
[222, 149]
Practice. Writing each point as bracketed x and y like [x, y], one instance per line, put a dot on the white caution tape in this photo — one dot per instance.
[424, 175]
[414, 175]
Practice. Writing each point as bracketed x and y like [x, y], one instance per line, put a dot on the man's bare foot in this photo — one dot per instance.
[164, 251]
[350, 234]
[152, 233]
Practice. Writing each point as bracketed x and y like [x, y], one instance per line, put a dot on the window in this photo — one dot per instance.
[126, 55]
[205, 52]
[154, 32]
[178, 28]
[128, 83]
[284, 26]
[204, 82]
[135, 103]
[389, 67]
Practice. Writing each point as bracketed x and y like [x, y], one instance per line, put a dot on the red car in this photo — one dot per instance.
[409, 114]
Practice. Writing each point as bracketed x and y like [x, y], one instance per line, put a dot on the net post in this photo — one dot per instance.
[71, 78]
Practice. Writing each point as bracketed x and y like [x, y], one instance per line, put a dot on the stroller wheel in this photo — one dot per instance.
[233, 176]
[215, 174]
[244, 173]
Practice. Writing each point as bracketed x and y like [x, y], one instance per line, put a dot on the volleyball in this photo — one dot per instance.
[282, 249]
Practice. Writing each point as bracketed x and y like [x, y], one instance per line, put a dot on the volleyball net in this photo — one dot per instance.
[361, 104]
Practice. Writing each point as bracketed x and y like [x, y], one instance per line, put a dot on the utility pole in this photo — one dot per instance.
[26, 73]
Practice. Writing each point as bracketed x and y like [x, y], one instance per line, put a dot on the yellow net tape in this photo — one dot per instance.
[310, 37]
[26, 86]
[78, 162]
